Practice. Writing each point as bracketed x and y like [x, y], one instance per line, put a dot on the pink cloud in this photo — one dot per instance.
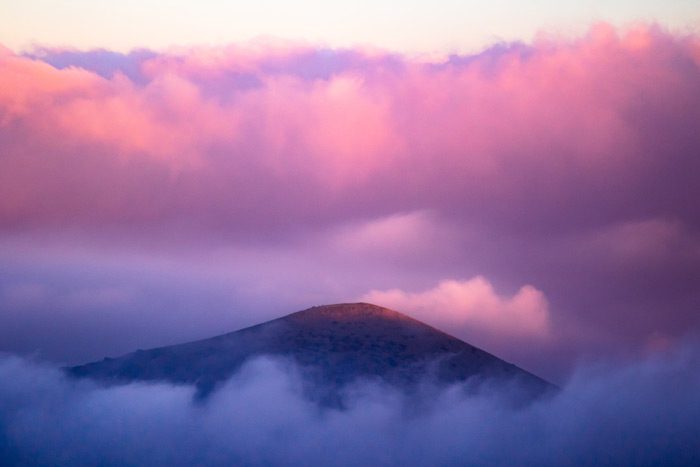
[474, 307]
[504, 137]
[394, 235]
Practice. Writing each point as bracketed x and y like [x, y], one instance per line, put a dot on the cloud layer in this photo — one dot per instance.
[642, 414]
[603, 127]
[276, 177]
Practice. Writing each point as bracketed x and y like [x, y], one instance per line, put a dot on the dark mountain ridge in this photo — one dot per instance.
[333, 345]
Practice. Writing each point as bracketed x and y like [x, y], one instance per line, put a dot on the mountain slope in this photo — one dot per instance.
[334, 345]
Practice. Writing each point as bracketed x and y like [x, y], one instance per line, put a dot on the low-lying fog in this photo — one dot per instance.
[644, 413]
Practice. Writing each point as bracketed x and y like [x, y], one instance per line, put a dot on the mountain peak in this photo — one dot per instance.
[333, 345]
[348, 312]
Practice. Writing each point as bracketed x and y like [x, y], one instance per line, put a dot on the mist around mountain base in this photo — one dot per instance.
[643, 413]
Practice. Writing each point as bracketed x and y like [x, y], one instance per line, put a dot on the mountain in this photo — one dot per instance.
[333, 345]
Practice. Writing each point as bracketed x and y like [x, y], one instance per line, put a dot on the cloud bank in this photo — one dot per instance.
[514, 138]
[642, 414]
[270, 178]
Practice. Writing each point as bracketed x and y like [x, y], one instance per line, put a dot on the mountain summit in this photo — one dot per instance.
[333, 345]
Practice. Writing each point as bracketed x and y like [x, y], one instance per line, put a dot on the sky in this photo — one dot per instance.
[413, 26]
[524, 178]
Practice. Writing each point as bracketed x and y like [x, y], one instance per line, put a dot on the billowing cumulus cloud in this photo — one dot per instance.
[270, 178]
[643, 414]
[474, 306]
[514, 138]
